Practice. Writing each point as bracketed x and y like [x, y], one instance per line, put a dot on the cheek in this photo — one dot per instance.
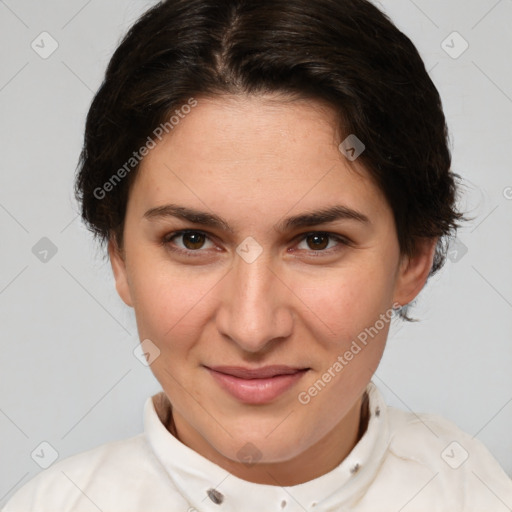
[346, 302]
[169, 303]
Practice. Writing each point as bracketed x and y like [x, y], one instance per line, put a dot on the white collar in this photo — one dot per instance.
[195, 476]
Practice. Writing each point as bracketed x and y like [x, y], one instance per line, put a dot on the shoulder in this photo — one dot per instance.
[459, 464]
[92, 479]
[433, 439]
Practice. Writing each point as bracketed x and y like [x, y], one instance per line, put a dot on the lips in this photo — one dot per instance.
[256, 386]
[257, 373]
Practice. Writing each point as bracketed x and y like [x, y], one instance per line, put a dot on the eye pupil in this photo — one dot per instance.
[316, 238]
[196, 240]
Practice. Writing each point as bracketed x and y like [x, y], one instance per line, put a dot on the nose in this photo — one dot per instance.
[255, 306]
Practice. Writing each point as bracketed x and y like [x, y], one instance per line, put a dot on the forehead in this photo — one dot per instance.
[254, 127]
[265, 153]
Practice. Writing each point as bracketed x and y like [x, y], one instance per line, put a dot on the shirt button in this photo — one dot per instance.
[215, 496]
[355, 468]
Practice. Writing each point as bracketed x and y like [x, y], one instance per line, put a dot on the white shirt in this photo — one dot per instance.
[404, 462]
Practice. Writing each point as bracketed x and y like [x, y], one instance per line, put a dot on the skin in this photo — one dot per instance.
[254, 160]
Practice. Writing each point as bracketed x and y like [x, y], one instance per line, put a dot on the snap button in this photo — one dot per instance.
[215, 496]
[355, 468]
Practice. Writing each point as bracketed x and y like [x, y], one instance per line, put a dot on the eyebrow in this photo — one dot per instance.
[306, 219]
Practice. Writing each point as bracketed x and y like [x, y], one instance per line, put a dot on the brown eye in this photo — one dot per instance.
[319, 241]
[186, 242]
[193, 241]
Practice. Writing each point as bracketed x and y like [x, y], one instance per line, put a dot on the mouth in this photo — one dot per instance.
[256, 385]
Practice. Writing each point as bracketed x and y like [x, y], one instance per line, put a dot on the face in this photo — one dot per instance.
[260, 279]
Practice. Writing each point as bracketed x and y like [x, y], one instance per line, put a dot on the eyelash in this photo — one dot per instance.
[166, 241]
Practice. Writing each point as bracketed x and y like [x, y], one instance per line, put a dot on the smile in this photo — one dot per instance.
[256, 386]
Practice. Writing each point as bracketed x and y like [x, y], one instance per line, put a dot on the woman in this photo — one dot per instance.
[272, 179]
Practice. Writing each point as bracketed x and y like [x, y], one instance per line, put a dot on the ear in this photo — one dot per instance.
[118, 263]
[414, 270]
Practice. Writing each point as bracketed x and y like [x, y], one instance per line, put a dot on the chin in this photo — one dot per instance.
[260, 449]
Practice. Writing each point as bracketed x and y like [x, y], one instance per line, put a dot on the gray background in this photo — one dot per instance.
[68, 373]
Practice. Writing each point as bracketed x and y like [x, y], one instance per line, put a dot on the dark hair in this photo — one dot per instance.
[345, 53]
